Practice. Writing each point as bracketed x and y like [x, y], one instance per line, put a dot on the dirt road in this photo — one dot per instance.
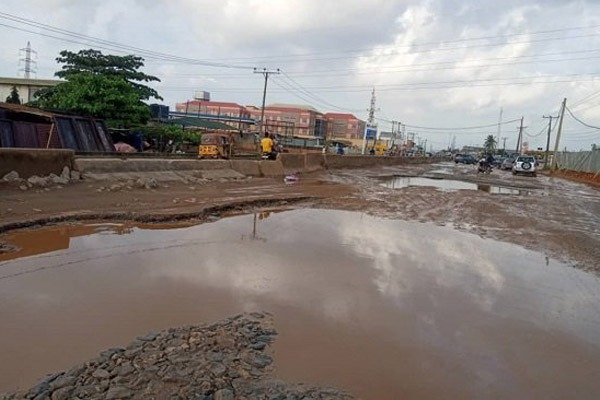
[351, 293]
[559, 217]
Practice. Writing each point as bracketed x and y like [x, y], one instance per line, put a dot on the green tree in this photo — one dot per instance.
[14, 98]
[490, 144]
[101, 86]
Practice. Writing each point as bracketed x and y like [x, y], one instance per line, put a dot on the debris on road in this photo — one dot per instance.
[224, 360]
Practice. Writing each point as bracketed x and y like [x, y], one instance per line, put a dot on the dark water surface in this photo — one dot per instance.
[384, 309]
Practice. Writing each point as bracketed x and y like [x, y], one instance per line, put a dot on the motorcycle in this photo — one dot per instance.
[269, 156]
[484, 167]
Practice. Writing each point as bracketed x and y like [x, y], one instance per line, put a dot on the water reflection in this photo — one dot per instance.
[382, 308]
[400, 182]
[498, 190]
[50, 239]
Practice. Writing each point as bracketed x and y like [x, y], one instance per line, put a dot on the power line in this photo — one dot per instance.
[470, 60]
[318, 98]
[107, 45]
[429, 83]
[404, 87]
[456, 128]
[283, 61]
[410, 68]
[585, 99]
[393, 47]
[580, 121]
[537, 134]
[386, 69]
[158, 55]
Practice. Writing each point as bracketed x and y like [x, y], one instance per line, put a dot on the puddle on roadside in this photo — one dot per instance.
[400, 182]
[378, 307]
[447, 185]
[441, 171]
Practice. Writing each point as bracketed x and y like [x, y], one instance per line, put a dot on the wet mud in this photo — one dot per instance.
[555, 216]
[381, 308]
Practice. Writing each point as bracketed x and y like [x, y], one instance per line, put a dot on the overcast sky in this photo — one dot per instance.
[446, 64]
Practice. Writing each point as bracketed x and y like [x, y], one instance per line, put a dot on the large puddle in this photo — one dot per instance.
[400, 182]
[384, 309]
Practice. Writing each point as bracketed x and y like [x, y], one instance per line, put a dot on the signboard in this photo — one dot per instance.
[370, 133]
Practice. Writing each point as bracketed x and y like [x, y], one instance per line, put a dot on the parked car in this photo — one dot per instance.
[525, 165]
[498, 161]
[465, 159]
[508, 163]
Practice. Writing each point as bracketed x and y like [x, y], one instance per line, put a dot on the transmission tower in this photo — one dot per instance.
[371, 120]
[371, 125]
[26, 56]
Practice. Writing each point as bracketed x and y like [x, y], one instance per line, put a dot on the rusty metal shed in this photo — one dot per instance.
[27, 127]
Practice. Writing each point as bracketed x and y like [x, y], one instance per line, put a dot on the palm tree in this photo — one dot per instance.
[490, 144]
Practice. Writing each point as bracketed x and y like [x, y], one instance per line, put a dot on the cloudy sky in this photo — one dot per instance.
[434, 64]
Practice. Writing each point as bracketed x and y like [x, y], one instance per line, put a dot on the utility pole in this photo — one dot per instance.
[520, 136]
[548, 139]
[499, 125]
[265, 72]
[560, 124]
[504, 145]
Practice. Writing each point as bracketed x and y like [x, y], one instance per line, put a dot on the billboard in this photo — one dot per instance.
[370, 133]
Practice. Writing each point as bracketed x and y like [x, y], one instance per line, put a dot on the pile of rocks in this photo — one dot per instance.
[141, 183]
[67, 175]
[223, 361]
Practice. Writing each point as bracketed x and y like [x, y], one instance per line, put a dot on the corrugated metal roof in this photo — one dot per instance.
[19, 108]
[201, 123]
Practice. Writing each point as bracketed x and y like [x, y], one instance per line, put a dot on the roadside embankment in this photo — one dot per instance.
[590, 178]
[35, 162]
[216, 169]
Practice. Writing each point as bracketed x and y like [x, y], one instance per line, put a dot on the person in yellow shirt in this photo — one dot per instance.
[266, 145]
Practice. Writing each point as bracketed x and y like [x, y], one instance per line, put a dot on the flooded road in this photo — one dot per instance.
[384, 309]
[400, 182]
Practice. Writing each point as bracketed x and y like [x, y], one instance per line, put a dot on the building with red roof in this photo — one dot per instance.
[344, 126]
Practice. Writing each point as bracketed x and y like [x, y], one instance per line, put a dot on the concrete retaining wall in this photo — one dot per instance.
[293, 161]
[246, 167]
[271, 168]
[286, 163]
[315, 162]
[29, 162]
[118, 165]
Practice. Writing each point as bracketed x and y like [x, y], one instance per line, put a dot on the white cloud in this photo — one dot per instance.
[345, 49]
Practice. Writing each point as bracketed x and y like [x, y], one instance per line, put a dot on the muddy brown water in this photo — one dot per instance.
[400, 182]
[384, 309]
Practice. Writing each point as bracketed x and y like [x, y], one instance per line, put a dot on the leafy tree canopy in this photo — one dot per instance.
[13, 97]
[101, 86]
[171, 132]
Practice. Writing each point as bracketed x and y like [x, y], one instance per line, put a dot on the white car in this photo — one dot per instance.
[524, 165]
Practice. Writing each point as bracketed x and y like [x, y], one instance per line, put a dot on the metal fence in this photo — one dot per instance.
[582, 161]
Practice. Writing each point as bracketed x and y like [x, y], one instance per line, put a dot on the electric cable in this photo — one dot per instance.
[580, 121]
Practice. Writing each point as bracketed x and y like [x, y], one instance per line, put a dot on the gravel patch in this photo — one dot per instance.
[222, 361]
